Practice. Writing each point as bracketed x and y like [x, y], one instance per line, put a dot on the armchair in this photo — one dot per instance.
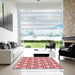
[68, 52]
[51, 45]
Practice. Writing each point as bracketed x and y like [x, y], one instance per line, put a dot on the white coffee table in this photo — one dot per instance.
[41, 53]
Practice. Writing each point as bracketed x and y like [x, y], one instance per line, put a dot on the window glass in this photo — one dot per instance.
[41, 23]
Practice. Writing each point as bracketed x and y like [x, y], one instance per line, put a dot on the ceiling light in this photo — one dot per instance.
[38, 0]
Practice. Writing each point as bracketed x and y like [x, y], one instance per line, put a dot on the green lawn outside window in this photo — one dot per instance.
[40, 44]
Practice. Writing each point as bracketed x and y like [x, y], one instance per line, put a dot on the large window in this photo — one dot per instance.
[40, 23]
[39, 26]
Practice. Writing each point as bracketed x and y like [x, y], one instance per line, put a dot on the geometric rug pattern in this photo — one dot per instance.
[37, 63]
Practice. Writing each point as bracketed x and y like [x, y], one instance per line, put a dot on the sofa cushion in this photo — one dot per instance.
[17, 51]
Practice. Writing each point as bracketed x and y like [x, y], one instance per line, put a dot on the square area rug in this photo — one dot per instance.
[37, 63]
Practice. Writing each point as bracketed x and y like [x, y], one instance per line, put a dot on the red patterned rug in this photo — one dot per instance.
[37, 63]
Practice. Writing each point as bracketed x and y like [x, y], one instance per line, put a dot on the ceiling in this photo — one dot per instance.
[34, 4]
[42, 4]
[29, 1]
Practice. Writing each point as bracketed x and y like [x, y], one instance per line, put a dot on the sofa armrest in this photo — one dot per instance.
[6, 56]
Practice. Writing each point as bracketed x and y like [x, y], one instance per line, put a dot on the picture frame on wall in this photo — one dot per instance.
[6, 17]
[1, 15]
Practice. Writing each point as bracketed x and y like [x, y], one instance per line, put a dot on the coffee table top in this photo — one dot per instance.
[41, 52]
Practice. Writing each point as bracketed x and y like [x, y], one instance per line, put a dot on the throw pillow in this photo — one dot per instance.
[3, 45]
[9, 46]
[13, 44]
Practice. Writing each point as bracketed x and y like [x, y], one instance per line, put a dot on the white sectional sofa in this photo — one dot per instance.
[9, 55]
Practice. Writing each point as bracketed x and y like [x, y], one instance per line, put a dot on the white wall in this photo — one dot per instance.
[39, 6]
[6, 35]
